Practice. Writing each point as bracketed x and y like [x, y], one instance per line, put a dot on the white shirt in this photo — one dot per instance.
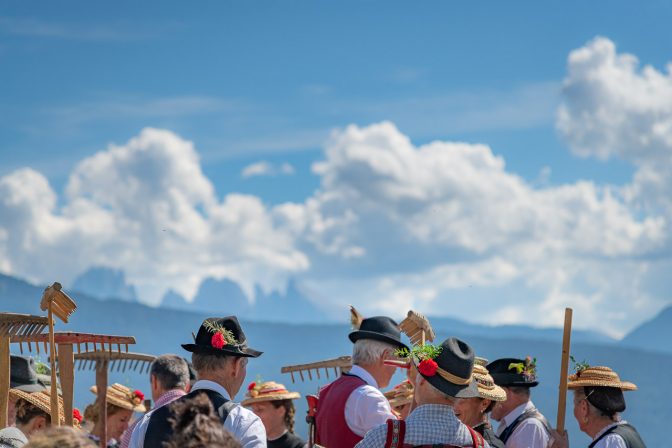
[531, 433]
[241, 422]
[611, 440]
[366, 407]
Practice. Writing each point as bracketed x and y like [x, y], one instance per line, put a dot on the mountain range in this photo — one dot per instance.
[161, 330]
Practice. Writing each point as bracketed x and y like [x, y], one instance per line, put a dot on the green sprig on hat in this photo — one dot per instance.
[421, 352]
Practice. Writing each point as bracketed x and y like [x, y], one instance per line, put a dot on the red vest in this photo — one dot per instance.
[332, 429]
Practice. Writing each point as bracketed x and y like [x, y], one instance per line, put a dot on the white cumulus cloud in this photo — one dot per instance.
[146, 208]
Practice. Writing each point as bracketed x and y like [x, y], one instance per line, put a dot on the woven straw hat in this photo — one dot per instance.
[486, 385]
[400, 395]
[598, 376]
[41, 400]
[268, 391]
[124, 397]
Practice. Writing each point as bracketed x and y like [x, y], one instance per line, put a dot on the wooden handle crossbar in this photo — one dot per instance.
[58, 302]
[564, 367]
[104, 341]
[119, 362]
[338, 365]
[417, 328]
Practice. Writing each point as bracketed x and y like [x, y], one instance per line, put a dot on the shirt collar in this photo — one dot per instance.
[364, 374]
[517, 412]
[211, 385]
[607, 428]
[169, 396]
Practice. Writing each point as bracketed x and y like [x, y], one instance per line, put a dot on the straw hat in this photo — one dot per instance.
[267, 391]
[400, 395]
[123, 397]
[41, 400]
[486, 385]
[598, 376]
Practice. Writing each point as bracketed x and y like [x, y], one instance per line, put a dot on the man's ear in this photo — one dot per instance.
[39, 423]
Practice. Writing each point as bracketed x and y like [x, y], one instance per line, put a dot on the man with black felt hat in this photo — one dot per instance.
[521, 425]
[443, 374]
[353, 404]
[219, 355]
[598, 402]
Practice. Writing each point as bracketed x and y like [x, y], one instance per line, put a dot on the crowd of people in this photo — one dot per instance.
[449, 398]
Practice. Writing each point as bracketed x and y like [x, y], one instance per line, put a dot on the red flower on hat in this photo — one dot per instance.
[77, 415]
[251, 386]
[139, 395]
[428, 367]
[218, 340]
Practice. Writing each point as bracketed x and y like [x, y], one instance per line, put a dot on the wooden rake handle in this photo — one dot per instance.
[564, 367]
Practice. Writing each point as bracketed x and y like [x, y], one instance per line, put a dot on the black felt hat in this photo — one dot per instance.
[221, 337]
[379, 328]
[456, 360]
[23, 375]
[505, 375]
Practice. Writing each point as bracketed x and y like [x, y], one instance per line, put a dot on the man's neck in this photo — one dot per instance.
[514, 406]
[207, 376]
[597, 426]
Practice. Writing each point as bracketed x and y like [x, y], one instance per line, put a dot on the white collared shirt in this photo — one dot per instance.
[366, 407]
[241, 422]
[611, 440]
[530, 433]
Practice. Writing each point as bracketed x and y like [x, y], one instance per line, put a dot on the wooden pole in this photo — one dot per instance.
[66, 367]
[55, 417]
[564, 366]
[5, 375]
[101, 385]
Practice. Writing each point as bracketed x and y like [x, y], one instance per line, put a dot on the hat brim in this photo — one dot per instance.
[224, 351]
[30, 388]
[623, 385]
[494, 394]
[278, 397]
[452, 389]
[512, 380]
[363, 334]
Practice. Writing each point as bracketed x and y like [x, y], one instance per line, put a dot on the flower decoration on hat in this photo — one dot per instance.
[137, 397]
[77, 416]
[221, 336]
[528, 368]
[253, 389]
[425, 355]
[579, 366]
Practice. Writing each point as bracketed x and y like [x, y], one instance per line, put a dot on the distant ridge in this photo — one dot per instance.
[653, 335]
[105, 283]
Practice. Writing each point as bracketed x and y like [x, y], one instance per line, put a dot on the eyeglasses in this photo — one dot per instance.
[576, 402]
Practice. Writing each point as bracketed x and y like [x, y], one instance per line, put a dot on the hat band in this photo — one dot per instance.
[453, 378]
[272, 391]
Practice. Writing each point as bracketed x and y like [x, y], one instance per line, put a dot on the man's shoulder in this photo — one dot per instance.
[241, 416]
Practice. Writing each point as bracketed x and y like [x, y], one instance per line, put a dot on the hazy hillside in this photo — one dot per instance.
[654, 335]
[161, 330]
[105, 283]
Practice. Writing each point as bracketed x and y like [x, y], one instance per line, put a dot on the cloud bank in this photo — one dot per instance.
[443, 227]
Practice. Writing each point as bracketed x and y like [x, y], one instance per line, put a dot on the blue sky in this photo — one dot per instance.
[248, 82]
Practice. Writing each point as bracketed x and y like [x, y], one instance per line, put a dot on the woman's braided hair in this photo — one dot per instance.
[26, 411]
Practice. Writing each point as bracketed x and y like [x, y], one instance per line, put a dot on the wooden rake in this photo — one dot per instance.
[56, 302]
[66, 343]
[13, 325]
[338, 365]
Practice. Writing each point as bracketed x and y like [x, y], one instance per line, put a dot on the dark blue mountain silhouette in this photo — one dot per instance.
[105, 283]
[655, 334]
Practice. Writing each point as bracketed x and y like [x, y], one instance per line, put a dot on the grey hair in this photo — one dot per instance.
[368, 351]
[209, 363]
[436, 393]
[522, 391]
[171, 371]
